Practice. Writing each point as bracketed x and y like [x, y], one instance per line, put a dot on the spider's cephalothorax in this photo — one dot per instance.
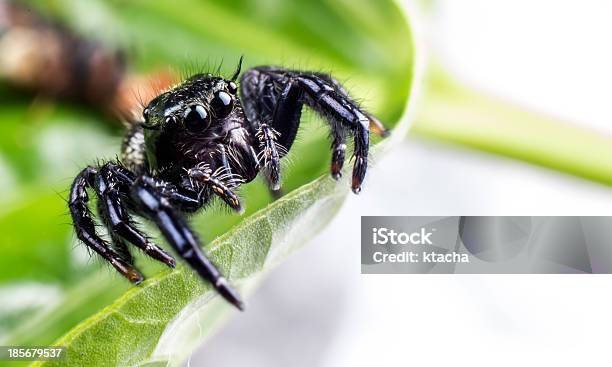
[203, 139]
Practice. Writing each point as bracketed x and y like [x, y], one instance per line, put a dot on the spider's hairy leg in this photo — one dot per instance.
[85, 227]
[275, 193]
[223, 158]
[277, 95]
[118, 243]
[155, 205]
[226, 174]
[274, 112]
[112, 187]
[338, 153]
[286, 117]
[269, 155]
[289, 108]
[133, 148]
[376, 126]
[322, 94]
[229, 178]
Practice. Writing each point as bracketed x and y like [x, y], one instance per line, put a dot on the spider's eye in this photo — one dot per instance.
[232, 87]
[196, 118]
[222, 104]
[145, 114]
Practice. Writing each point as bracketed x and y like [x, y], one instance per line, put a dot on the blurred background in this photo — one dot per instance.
[316, 309]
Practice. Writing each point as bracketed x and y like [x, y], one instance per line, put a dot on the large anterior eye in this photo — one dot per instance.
[222, 104]
[196, 118]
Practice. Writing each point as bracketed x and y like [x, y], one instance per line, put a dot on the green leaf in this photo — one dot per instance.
[145, 323]
[172, 312]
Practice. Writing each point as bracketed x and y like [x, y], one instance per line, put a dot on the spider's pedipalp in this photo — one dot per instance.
[269, 154]
[218, 187]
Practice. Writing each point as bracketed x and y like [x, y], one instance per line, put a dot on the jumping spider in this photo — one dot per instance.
[201, 139]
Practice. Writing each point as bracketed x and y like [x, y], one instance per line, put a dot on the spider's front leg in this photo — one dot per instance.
[85, 227]
[111, 183]
[154, 199]
[118, 189]
[273, 100]
[112, 187]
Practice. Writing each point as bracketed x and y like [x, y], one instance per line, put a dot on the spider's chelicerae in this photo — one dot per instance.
[203, 139]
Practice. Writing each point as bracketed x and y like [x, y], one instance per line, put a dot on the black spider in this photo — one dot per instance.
[200, 139]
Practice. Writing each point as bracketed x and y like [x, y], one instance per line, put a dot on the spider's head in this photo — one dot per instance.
[187, 122]
[199, 106]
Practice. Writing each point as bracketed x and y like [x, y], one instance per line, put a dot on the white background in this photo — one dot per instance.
[317, 310]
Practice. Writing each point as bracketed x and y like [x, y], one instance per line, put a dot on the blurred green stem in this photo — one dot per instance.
[452, 112]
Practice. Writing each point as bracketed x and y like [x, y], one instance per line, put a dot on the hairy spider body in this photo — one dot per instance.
[201, 139]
